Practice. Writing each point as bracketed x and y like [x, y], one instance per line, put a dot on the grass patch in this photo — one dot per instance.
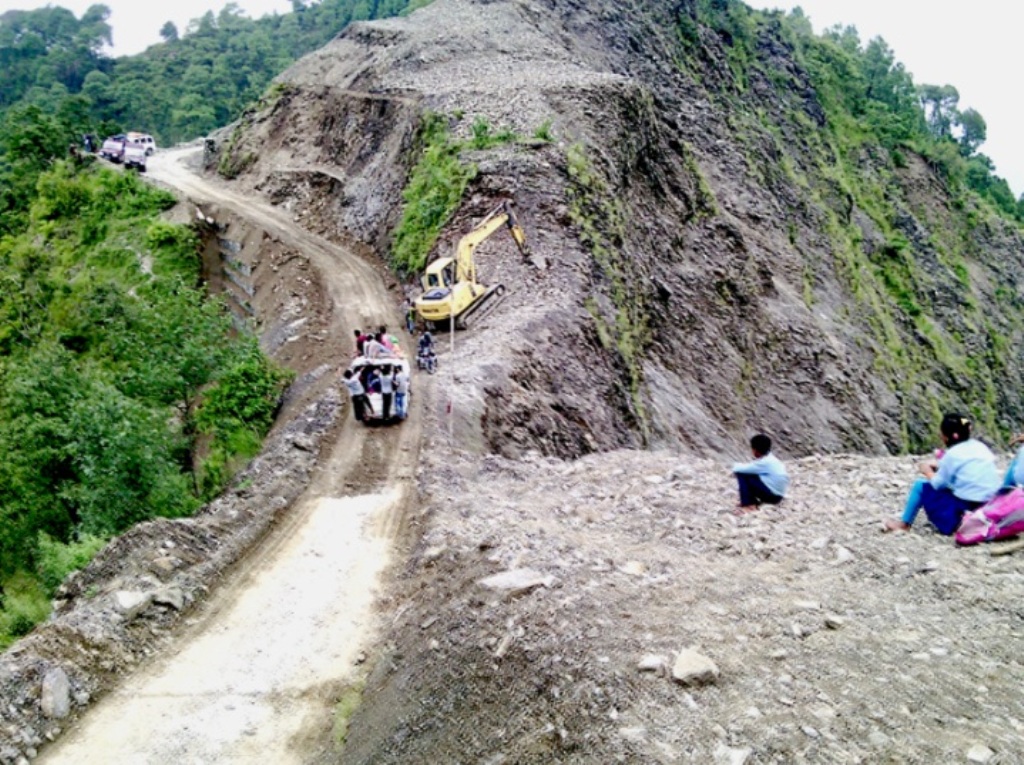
[346, 707]
[56, 559]
[543, 133]
[436, 186]
[24, 605]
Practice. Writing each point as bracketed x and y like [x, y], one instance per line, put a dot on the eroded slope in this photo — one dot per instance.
[713, 267]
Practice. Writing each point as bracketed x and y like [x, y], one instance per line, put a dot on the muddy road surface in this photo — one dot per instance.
[256, 673]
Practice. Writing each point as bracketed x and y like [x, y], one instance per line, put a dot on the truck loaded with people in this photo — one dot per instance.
[378, 379]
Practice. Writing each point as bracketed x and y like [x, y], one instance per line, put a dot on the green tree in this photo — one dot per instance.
[940, 106]
[973, 131]
[169, 32]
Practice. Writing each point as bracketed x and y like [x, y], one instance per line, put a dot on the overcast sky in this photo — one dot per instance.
[136, 23]
[970, 45]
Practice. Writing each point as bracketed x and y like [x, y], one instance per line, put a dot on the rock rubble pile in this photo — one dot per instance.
[669, 630]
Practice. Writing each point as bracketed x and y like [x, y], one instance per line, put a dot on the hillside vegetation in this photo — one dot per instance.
[125, 393]
[196, 80]
[836, 128]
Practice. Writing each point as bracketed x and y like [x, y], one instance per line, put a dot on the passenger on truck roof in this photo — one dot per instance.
[360, 341]
[375, 349]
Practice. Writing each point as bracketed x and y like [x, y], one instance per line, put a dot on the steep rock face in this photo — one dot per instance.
[716, 265]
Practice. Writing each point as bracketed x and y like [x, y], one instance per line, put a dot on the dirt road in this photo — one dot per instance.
[255, 675]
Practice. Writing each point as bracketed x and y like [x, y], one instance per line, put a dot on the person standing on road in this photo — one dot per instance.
[387, 387]
[401, 392]
[409, 311]
[359, 400]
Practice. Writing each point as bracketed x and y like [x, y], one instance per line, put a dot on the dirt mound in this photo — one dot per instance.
[835, 643]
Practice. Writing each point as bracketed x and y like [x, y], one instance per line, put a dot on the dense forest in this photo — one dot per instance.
[867, 94]
[125, 392]
[53, 64]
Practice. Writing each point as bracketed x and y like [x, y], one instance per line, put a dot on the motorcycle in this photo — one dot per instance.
[426, 359]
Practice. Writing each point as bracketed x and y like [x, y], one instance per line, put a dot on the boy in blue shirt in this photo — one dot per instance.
[762, 481]
[964, 479]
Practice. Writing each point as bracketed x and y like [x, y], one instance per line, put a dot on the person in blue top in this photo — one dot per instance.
[763, 481]
[963, 479]
[1015, 473]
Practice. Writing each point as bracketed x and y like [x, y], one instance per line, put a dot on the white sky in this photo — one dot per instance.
[136, 23]
[972, 46]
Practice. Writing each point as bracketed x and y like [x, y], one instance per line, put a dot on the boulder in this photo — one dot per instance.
[517, 582]
[56, 696]
[692, 668]
[130, 604]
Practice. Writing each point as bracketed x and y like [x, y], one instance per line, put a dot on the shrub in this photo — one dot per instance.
[56, 559]
[24, 606]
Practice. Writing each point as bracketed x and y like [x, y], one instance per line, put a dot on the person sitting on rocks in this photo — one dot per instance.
[1015, 473]
[762, 481]
[963, 479]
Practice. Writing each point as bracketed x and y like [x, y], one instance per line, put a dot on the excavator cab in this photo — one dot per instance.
[440, 273]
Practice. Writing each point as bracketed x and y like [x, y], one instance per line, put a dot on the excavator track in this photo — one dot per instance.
[482, 308]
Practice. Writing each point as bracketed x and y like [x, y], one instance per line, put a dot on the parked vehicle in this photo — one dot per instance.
[147, 141]
[113, 148]
[134, 157]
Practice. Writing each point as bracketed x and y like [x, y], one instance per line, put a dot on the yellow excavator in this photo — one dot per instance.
[449, 284]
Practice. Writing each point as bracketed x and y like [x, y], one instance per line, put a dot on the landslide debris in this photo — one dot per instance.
[720, 260]
[642, 623]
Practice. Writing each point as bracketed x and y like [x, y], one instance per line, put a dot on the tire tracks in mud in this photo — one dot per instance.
[254, 674]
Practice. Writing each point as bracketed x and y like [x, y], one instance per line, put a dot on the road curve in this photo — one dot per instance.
[254, 676]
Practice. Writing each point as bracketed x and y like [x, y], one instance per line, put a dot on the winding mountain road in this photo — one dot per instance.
[254, 676]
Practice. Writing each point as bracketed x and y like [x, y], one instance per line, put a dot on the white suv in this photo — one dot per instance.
[146, 140]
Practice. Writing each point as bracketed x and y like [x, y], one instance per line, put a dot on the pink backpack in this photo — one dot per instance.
[1000, 517]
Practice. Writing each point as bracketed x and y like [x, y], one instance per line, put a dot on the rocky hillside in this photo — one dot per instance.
[719, 245]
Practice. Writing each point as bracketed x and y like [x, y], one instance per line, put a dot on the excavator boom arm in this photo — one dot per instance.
[500, 216]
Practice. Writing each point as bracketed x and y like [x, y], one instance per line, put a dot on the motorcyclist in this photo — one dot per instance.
[425, 355]
[426, 344]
